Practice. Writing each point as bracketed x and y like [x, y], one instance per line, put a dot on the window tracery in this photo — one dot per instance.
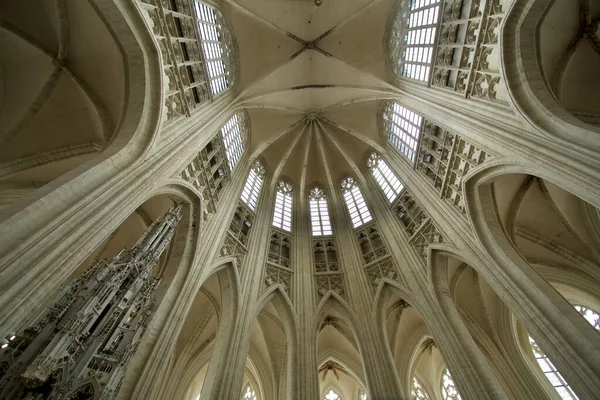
[449, 391]
[403, 128]
[282, 214]
[417, 391]
[555, 377]
[412, 39]
[319, 214]
[234, 133]
[387, 180]
[355, 202]
[217, 46]
[331, 395]
[248, 393]
[253, 185]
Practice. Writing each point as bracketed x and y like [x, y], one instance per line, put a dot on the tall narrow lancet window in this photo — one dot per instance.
[282, 215]
[319, 214]
[217, 46]
[387, 180]
[253, 185]
[417, 392]
[449, 391]
[331, 395]
[357, 207]
[551, 372]
[403, 128]
[234, 134]
[412, 39]
[248, 393]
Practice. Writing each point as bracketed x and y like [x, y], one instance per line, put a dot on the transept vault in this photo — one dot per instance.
[288, 199]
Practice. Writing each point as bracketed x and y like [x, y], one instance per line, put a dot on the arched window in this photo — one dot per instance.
[417, 392]
[555, 378]
[590, 315]
[362, 396]
[331, 395]
[357, 207]
[387, 180]
[248, 393]
[403, 128]
[319, 214]
[551, 372]
[234, 134]
[449, 391]
[282, 215]
[253, 185]
[217, 46]
[412, 39]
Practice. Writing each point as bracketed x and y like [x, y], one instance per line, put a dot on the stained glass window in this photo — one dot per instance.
[449, 391]
[387, 180]
[357, 207]
[417, 391]
[282, 215]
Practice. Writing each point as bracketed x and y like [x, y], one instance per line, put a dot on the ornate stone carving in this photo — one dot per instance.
[370, 242]
[444, 158]
[325, 255]
[380, 269]
[280, 247]
[275, 275]
[93, 327]
[330, 282]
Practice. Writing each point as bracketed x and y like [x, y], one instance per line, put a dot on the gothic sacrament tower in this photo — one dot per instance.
[80, 345]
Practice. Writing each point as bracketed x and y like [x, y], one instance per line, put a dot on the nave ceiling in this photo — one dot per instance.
[312, 90]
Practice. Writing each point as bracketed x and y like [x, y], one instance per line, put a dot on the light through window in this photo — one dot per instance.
[282, 215]
[319, 215]
[590, 315]
[331, 395]
[417, 391]
[253, 185]
[413, 37]
[555, 378]
[248, 393]
[359, 212]
[363, 396]
[231, 133]
[217, 46]
[449, 391]
[403, 128]
[387, 180]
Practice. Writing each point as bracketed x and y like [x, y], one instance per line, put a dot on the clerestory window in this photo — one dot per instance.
[386, 179]
[282, 215]
[217, 46]
[412, 39]
[551, 372]
[417, 392]
[449, 391]
[403, 128]
[331, 395]
[248, 393]
[357, 207]
[319, 213]
[253, 185]
[234, 134]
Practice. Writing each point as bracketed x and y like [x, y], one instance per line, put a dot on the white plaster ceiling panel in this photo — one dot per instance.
[358, 119]
[268, 125]
[99, 65]
[262, 47]
[39, 19]
[26, 70]
[359, 42]
[293, 15]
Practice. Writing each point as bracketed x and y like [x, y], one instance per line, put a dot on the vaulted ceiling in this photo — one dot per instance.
[312, 89]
